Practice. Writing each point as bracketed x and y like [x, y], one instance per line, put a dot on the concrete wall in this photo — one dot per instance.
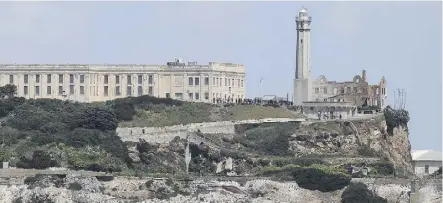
[168, 133]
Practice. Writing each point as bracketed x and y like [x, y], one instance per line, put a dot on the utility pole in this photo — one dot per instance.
[261, 86]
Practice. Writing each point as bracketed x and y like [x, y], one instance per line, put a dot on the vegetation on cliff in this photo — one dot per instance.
[148, 111]
[359, 193]
[395, 118]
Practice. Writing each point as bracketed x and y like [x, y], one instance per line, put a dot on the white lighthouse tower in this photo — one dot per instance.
[302, 80]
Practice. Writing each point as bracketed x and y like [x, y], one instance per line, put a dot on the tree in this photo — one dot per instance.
[8, 90]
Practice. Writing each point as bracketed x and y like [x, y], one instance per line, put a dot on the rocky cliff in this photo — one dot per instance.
[357, 138]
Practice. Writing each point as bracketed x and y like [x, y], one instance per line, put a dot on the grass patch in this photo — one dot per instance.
[156, 115]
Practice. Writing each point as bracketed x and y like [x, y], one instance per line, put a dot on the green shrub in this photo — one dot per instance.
[382, 168]
[40, 160]
[268, 139]
[321, 180]
[359, 193]
[105, 178]
[75, 186]
[297, 161]
[149, 183]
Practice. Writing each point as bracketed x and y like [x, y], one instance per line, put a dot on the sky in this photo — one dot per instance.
[399, 40]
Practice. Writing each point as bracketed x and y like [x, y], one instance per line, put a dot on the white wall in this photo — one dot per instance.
[419, 166]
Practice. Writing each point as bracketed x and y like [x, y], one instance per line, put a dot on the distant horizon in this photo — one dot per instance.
[383, 38]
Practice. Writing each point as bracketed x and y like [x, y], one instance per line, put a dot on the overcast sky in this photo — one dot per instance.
[398, 40]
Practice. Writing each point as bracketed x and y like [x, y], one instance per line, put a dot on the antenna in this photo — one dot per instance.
[261, 86]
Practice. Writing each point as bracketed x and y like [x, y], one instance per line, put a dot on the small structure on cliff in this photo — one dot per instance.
[426, 162]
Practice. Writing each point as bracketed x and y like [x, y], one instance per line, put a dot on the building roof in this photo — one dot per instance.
[269, 97]
[426, 155]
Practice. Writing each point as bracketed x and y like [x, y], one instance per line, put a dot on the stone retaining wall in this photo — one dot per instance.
[168, 133]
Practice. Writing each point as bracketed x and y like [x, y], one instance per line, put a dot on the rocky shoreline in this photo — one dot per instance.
[74, 188]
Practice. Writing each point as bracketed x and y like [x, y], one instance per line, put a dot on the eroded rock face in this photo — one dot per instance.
[352, 137]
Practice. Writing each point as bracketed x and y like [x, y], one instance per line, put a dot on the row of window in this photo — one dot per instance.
[82, 79]
[227, 82]
[191, 96]
[48, 79]
[348, 90]
[72, 90]
[191, 80]
[342, 90]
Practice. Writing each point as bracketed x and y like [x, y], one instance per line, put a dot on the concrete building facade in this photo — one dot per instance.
[212, 83]
[302, 80]
[426, 162]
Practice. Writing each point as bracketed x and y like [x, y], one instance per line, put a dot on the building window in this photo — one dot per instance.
[191, 96]
[60, 79]
[206, 96]
[129, 91]
[60, 90]
[150, 91]
[355, 89]
[179, 96]
[197, 96]
[82, 90]
[82, 79]
[25, 79]
[140, 79]
[48, 90]
[357, 81]
[37, 90]
[150, 79]
[168, 95]
[190, 81]
[37, 78]
[232, 83]
[71, 89]
[11, 79]
[217, 81]
[105, 90]
[426, 169]
[129, 79]
[197, 81]
[241, 83]
[140, 91]
[25, 90]
[105, 79]
[229, 89]
[71, 78]
[229, 82]
[342, 90]
[226, 81]
[206, 81]
[48, 79]
[376, 90]
[316, 90]
[325, 90]
[348, 89]
[117, 79]
[117, 91]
